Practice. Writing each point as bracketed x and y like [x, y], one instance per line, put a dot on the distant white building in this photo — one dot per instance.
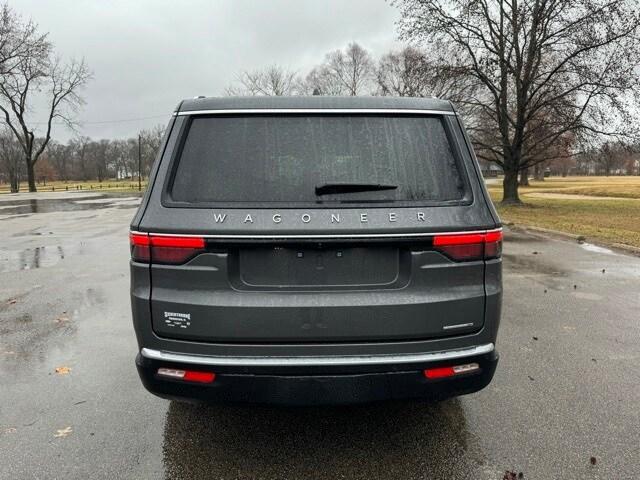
[122, 174]
[489, 169]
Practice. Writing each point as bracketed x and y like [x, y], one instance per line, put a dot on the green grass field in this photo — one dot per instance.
[612, 219]
[621, 187]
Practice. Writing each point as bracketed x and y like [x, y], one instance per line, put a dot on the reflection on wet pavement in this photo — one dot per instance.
[389, 440]
[37, 257]
[40, 257]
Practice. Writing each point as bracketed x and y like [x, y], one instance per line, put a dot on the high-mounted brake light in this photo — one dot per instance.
[167, 249]
[470, 246]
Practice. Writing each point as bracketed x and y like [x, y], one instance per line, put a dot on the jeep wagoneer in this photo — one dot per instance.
[315, 250]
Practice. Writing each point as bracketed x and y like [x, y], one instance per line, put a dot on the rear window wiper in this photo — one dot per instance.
[329, 188]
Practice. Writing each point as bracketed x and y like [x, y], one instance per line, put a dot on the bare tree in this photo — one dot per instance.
[151, 141]
[547, 68]
[344, 72]
[321, 81]
[611, 158]
[100, 151]
[18, 40]
[59, 156]
[120, 157]
[10, 159]
[37, 72]
[79, 150]
[412, 72]
[404, 73]
[273, 80]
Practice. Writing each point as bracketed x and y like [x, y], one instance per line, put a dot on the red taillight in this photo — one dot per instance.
[168, 249]
[470, 246]
[463, 239]
[444, 372]
[176, 242]
[493, 244]
[140, 247]
[187, 375]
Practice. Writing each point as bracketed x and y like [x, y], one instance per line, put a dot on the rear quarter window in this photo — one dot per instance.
[268, 160]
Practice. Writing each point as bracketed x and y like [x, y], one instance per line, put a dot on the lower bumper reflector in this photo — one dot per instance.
[187, 375]
[444, 372]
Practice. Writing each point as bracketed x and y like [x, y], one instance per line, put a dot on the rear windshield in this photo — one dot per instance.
[262, 159]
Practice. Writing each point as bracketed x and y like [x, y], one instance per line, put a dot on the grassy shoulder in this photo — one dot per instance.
[606, 220]
[620, 187]
[111, 185]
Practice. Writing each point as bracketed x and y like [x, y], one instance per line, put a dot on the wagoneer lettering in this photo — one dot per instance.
[331, 250]
[307, 217]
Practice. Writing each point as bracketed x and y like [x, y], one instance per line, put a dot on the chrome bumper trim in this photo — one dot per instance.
[317, 361]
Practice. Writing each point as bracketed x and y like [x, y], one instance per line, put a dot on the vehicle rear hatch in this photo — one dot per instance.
[316, 227]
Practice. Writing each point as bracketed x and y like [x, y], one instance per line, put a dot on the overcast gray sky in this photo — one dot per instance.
[148, 55]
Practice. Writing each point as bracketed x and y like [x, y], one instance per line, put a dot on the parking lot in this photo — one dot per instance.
[563, 404]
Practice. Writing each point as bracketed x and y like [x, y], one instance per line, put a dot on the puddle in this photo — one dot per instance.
[24, 207]
[104, 199]
[10, 217]
[596, 249]
[520, 238]
[532, 265]
[587, 296]
[34, 232]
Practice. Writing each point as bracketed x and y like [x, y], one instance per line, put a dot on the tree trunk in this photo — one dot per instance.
[31, 177]
[15, 181]
[524, 177]
[510, 187]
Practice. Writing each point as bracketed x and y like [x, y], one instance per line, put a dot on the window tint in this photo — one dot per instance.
[262, 159]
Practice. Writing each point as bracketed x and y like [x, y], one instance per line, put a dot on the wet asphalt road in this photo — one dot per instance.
[567, 386]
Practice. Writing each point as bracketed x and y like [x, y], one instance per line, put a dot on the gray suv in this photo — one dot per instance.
[315, 250]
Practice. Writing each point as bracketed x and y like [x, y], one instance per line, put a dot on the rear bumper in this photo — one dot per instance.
[299, 381]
